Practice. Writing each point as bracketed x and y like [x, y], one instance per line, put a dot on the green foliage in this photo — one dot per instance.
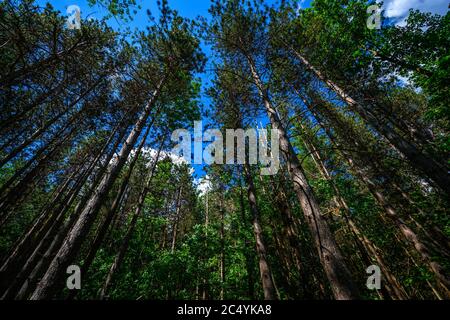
[64, 123]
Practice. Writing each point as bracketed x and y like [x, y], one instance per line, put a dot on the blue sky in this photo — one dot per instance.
[187, 8]
[394, 9]
[398, 9]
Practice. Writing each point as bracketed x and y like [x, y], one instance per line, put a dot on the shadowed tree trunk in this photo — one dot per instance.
[436, 171]
[330, 256]
[126, 240]
[366, 247]
[73, 242]
[248, 257]
[266, 274]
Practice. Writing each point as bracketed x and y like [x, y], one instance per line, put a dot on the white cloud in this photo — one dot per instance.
[164, 154]
[151, 153]
[203, 184]
[398, 9]
[404, 80]
[301, 5]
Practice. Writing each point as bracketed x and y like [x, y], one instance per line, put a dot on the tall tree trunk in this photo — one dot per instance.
[51, 235]
[16, 267]
[290, 226]
[111, 212]
[330, 256]
[222, 249]
[248, 257]
[366, 247]
[126, 240]
[72, 243]
[437, 172]
[391, 213]
[264, 269]
[177, 219]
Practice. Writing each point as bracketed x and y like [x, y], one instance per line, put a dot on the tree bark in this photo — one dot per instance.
[330, 256]
[264, 269]
[75, 237]
[366, 247]
[125, 242]
[437, 172]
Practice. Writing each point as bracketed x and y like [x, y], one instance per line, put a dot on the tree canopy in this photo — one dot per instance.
[88, 179]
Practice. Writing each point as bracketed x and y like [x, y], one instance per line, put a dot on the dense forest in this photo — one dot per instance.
[87, 177]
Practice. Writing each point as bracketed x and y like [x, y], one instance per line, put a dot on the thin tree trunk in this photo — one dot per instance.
[73, 242]
[177, 219]
[248, 258]
[330, 256]
[222, 250]
[125, 242]
[366, 247]
[264, 269]
[436, 171]
[406, 231]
